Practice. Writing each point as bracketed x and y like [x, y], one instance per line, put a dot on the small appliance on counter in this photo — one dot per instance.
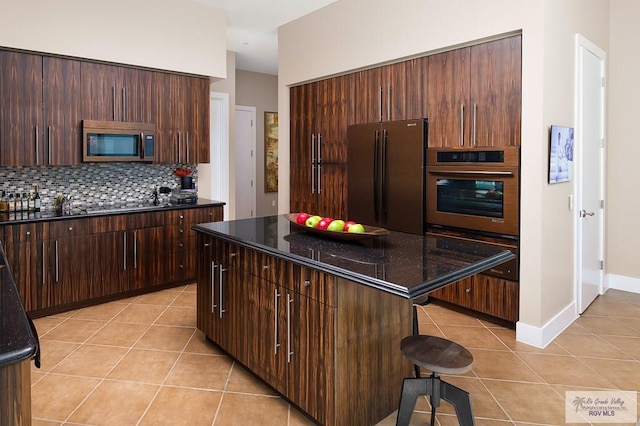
[183, 196]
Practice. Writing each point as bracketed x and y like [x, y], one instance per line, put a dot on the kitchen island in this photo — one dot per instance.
[320, 320]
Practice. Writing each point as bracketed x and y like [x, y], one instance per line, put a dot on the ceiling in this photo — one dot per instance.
[252, 28]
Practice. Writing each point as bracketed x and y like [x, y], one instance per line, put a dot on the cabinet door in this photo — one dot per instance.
[21, 132]
[146, 258]
[61, 86]
[108, 275]
[495, 297]
[101, 85]
[335, 110]
[25, 261]
[448, 94]
[302, 188]
[369, 106]
[332, 191]
[135, 95]
[205, 284]
[496, 93]
[199, 120]
[303, 148]
[67, 272]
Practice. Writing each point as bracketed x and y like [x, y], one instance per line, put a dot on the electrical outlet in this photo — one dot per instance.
[570, 202]
[273, 203]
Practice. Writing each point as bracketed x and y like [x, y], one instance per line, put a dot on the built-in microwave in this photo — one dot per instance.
[118, 141]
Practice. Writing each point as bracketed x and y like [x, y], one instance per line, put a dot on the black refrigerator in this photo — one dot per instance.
[386, 174]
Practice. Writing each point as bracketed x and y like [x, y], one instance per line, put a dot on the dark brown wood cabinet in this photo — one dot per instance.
[181, 114]
[114, 93]
[21, 139]
[475, 95]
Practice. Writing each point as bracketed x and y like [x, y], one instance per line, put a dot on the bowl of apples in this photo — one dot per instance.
[334, 228]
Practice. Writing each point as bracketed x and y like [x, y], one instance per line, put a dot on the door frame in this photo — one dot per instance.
[583, 43]
[219, 146]
[253, 111]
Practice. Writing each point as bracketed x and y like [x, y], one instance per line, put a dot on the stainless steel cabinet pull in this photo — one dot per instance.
[319, 148]
[48, 144]
[313, 148]
[37, 154]
[135, 250]
[71, 228]
[380, 102]
[319, 179]
[220, 286]
[124, 251]
[57, 277]
[289, 351]
[313, 178]
[470, 172]
[275, 321]
[44, 268]
[187, 133]
[307, 282]
[584, 213]
[389, 103]
[179, 147]
[213, 274]
[124, 103]
[28, 232]
[475, 115]
[461, 124]
[113, 96]
[206, 244]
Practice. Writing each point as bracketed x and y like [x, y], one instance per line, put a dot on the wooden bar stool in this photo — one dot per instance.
[440, 356]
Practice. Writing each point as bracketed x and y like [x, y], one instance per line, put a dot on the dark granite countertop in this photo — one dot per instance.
[403, 264]
[104, 210]
[18, 338]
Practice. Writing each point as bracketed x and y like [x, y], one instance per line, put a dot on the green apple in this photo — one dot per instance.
[356, 228]
[336, 225]
[312, 221]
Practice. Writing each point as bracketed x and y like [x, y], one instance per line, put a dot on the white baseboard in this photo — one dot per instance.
[620, 282]
[540, 337]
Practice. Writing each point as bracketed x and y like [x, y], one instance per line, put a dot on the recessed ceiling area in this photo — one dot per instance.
[252, 28]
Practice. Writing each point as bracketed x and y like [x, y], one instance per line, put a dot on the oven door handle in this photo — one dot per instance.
[470, 172]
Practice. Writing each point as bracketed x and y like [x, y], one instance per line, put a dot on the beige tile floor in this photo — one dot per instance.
[141, 361]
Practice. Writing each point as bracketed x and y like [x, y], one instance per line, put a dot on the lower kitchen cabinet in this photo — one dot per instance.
[483, 293]
[64, 264]
[321, 341]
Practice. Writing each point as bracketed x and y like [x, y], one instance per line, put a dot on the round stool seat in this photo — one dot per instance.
[437, 354]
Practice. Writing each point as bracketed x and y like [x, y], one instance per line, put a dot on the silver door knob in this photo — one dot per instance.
[584, 213]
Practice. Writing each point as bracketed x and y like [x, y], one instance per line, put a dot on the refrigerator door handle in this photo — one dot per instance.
[384, 174]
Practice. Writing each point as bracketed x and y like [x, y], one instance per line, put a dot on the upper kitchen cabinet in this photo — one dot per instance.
[21, 139]
[475, 93]
[181, 114]
[61, 85]
[114, 93]
[391, 92]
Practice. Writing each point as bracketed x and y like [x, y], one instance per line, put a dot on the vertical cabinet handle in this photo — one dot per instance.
[475, 115]
[380, 102]
[57, 277]
[124, 251]
[113, 97]
[461, 124]
[124, 103]
[319, 178]
[319, 148]
[187, 133]
[289, 351]
[220, 286]
[179, 147]
[389, 103]
[48, 145]
[37, 154]
[275, 321]
[44, 268]
[313, 178]
[135, 250]
[213, 279]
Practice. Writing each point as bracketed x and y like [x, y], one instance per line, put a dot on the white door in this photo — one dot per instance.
[245, 162]
[589, 150]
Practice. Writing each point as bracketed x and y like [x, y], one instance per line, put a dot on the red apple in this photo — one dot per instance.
[347, 224]
[302, 218]
[324, 223]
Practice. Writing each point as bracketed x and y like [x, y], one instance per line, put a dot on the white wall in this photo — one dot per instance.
[183, 36]
[309, 51]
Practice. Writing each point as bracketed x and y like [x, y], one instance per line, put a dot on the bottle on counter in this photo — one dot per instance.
[26, 202]
[4, 204]
[36, 200]
[19, 203]
[12, 204]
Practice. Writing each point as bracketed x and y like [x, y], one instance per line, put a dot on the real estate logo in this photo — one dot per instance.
[601, 407]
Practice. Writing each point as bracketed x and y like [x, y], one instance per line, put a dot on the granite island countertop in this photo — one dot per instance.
[406, 265]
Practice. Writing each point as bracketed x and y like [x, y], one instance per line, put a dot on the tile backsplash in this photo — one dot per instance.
[93, 184]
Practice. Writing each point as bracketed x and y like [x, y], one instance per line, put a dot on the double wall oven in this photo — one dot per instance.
[475, 194]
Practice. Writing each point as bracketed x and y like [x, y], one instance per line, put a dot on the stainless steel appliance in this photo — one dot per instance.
[475, 190]
[117, 141]
[385, 166]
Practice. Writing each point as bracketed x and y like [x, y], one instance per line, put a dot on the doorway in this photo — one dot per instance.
[589, 189]
[245, 162]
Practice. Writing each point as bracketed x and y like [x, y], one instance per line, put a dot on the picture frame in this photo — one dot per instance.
[560, 154]
[270, 151]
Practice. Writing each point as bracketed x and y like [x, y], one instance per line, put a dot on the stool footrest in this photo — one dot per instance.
[414, 387]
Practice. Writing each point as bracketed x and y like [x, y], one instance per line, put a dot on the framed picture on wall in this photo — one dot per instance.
[270, 152]
[560, 154]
